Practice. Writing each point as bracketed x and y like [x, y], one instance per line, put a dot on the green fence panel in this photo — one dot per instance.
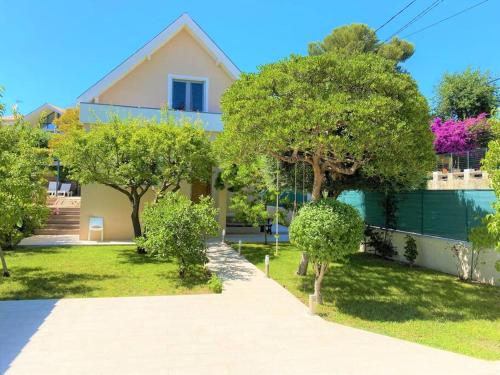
[374, 213]
[409, 212]
[444, 214]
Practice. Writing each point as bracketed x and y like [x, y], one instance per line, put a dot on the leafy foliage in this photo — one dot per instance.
[67, 123]
[177, 228]
[490, 163]
[466, 94]
[23, 168]
[381, 244]
[328, 230]
[341, 114]
[215, 283]
[359, 38]
[460, 135]
[411, 251]
[133, 155]
[482, 240]
[253, 187]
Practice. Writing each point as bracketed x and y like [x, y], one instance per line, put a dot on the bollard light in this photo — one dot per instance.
[239, 247]
[266, 261]
[312, 301]
[223, 236]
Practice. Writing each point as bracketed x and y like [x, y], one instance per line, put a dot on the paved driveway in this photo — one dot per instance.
[253, 327]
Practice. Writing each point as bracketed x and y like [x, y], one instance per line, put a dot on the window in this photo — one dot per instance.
[188, 95]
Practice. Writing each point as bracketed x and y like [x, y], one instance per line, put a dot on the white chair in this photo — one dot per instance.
[52, 189]
[65, 190]
[96, 224]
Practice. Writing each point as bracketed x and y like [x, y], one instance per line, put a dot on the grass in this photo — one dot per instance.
[389, 298]
[92, 271]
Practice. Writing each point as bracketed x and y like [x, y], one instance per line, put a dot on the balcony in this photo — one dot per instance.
[91, 113]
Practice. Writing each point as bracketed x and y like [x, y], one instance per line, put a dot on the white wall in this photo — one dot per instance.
[435, 253]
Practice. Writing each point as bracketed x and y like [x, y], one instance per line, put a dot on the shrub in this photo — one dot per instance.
[411, 251]
[381, 245]
[328, 230]
[459, 251]
[215, 283]
[175, 227]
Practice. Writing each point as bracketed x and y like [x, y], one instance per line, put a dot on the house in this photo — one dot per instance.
[43, 115]
[181, 68]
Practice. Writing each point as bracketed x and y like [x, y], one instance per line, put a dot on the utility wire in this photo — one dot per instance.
[397, 14]
[494, 80]
[416, 18]
[446, 19]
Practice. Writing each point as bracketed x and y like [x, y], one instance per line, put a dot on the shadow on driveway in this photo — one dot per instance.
[19, 321]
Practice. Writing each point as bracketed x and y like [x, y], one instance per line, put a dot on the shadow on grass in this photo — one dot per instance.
[35, 250]
[374, 289]
[38, 283]
[130, 256]
[195, 277]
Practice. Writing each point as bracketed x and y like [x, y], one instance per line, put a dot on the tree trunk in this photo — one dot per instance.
[5, 270]
[136, 201]
[316, 194]
[320, 274]
[318, 181]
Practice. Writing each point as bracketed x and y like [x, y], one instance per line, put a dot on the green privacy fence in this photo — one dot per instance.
[443, 213]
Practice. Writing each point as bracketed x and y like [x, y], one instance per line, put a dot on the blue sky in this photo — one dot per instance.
[53, 50]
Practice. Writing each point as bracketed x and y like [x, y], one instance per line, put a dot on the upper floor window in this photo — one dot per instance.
[188, 95]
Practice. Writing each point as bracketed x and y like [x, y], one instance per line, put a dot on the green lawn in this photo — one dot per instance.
[386, 297]
[92, 271]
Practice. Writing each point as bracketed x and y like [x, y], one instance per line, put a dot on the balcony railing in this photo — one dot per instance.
[91, 113]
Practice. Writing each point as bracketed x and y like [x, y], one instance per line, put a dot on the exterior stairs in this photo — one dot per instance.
[62, 221]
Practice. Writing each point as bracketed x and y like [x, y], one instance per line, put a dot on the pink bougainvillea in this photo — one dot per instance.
[460, 135]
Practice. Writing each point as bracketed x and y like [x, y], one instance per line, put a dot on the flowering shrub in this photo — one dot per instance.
[460, 135]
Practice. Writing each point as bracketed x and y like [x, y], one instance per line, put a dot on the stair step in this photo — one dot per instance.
[63, 219]
[57, 231]
[60, 221]
[66, 211]
[62, 225]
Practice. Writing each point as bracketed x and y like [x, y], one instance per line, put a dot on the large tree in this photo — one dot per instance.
[466, 94]
[135, 155]
[23, 169]
[341, 114]
[359, 38]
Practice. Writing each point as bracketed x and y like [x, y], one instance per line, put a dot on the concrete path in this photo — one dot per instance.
[254, 327]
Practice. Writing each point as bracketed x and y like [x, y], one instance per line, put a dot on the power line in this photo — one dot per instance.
[494, 80]
[397, 14]
[416, 18]
[446, 19]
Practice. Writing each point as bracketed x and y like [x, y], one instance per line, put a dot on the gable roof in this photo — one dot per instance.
[34, 115]
[183, 22]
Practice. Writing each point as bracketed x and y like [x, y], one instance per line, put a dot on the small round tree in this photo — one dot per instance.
[328, 230]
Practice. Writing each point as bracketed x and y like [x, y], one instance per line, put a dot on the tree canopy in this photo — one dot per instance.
[466, 94]
[23, 170]
[359, 38]
[133, 155]
[341, 114]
